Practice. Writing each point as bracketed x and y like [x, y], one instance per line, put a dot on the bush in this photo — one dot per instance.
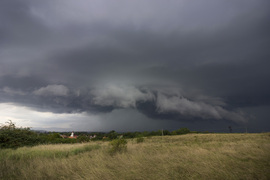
[12, 137]
[140, 139]
[118, 146]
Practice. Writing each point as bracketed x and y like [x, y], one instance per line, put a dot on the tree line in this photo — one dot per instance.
[14, 137]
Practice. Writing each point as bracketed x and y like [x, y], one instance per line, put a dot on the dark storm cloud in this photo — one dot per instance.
[175, 60]
[18, 26]
[163, 103]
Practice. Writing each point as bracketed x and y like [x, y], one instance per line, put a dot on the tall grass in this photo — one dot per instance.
[45, 151]
[192, 156]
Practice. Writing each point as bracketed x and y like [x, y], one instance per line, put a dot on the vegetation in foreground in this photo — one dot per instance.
[190, 156]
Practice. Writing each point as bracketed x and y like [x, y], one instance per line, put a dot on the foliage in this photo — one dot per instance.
[181, 131]
[26, 153]
[112, 135]
[12, 137]
[118, 146]
[166, 132]
[53, 136]
[83, 138]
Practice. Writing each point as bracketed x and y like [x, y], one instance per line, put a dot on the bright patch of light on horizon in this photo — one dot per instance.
[26, 117]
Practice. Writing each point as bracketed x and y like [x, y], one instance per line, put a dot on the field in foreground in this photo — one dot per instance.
[191, 156]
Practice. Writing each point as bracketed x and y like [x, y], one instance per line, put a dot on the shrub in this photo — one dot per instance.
[12, 137]
[118, 146]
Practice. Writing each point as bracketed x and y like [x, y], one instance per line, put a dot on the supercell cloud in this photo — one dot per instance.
[135, 65]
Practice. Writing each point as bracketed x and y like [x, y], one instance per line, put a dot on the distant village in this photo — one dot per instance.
[73, 136]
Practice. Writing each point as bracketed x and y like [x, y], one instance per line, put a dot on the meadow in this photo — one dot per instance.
[190, 156]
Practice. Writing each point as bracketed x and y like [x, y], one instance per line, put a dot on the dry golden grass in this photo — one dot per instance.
[192, 156]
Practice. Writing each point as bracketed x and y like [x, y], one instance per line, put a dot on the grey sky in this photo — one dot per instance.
[135, 65]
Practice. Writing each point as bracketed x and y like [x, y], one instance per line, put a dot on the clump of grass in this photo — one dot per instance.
[32, 153]
[83, 149]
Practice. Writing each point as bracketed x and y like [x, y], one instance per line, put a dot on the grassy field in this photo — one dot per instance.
[191, 156]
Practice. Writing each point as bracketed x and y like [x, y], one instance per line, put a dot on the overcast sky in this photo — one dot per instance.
[135, 65]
